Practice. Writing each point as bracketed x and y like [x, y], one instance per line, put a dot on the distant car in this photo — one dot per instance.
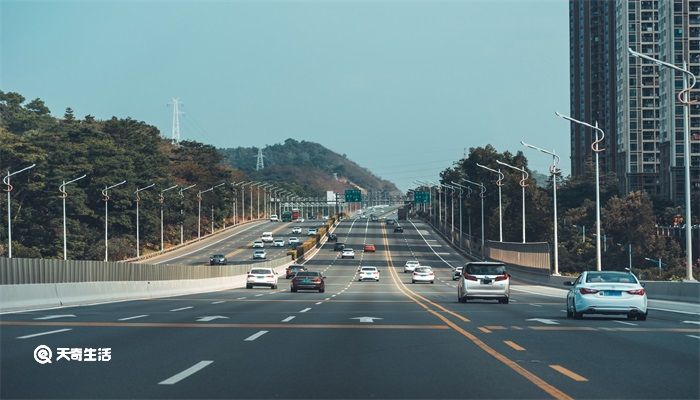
[410, 265]
[274, 218]
[348, 253]
[325, 217]
[606, 292]
[308, 280]
[293, 241]
[368, 273]
[423, 274]
[278, 243]
[373, 218]
[398, 228]
[294, 269]
[296, 229]
[258, 244]
[369, 248]
[311, 231]
[267, 237]
[484, 280]
[261, 277]
[339, 246]
[390, 221]
[217, 259]
[259, 254]
[332, 237]
[456, 273]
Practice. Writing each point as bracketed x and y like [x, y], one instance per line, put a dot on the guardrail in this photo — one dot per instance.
[19, 271]
[534, 254]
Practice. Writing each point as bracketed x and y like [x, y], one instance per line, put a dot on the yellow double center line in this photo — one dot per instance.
[425, 303]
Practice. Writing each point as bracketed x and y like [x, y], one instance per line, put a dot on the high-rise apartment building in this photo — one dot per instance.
[592, 81]
[642, 114]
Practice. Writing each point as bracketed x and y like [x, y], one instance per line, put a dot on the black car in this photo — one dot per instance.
[308, 280]
[338, 246]
[398, 228]
[390, 222]
[217, 259]
[294, 269]
[332, 237]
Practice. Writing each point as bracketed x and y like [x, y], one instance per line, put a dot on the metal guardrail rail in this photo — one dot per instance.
[533, 254]
[17, 271]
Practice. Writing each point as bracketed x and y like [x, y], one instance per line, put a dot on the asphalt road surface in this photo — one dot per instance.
[420, 343]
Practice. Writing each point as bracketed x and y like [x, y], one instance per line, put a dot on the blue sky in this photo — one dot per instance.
[401, 87]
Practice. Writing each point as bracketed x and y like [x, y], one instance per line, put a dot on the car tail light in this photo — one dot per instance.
[470, 277]
[501, 277]
[588, 291]
[269, 276]
[431, 273]
[317, 280]
[637, 291]
[251, 276]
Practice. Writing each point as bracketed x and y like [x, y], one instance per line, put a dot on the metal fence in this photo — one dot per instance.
[15, 271]
[533, 255]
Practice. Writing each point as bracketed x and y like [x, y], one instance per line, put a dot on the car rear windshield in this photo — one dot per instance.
[422, 269]
[486, 269]
[369, 269]
[307, 274]
[610, 277]
[261, 271]
[218, 256]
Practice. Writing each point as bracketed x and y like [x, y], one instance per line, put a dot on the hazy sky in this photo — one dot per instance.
[401, 87]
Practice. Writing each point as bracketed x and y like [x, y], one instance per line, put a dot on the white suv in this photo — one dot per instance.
[410, 266]
[484, 280]
[261, 277]
[267, 237]
[368, 273]
[274, 218]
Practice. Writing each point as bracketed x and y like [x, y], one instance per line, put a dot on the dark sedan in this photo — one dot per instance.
[217, 259]
[332, 237]
[338, 246]
[398, 228]
[294, 269]
[308, 280]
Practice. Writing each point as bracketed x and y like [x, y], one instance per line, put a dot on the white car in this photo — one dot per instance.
[368, 273]
[261, 277]
[606, 292]
[484, 280]
[278, 243]
[348, 253]
[325, 217]
[274, 218]
[258, 244]
[296, 229]
[293, 240]
[267, 237]
[410, 265]
[312, 231]
[259, 254]
[423, 274]
[456, 273]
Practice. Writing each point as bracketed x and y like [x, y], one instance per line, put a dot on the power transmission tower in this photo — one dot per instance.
[260, 164]
[175, 137]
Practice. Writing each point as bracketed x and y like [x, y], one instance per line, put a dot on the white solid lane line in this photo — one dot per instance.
[304, 310]
[184, 374]
[255, 336]
[625, 323]
[182, 308]
[42, 334]
[134, 317]
[289, 318]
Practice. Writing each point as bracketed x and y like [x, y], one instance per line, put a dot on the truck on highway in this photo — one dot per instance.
[295, 213]
[286, 216]
[403, 213]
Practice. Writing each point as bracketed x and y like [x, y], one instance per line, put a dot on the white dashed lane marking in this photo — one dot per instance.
[184, 374]
[255, 336]
[43, 333]
[289, 318]
[181, 308]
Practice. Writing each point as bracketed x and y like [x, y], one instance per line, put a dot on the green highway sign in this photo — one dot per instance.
[353, 196]
[421, 197]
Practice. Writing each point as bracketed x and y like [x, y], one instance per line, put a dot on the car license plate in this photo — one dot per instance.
[613, 293]
[486, 281]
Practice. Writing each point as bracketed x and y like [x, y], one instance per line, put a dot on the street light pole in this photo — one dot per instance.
[523, 185]
[162, 201]
[199, 218]
[6, 180]
[105, 198]
[64, 194]
[499, 183]
[595, 146]
[182, 218]
[554, 171]
[683, 98]
[461, 193]
[138, 201]
[482, 193]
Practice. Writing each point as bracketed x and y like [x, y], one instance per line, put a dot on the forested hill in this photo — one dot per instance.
[300, 161]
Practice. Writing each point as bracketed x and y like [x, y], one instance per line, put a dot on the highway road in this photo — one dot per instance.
[236, 244]
[386, 339]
